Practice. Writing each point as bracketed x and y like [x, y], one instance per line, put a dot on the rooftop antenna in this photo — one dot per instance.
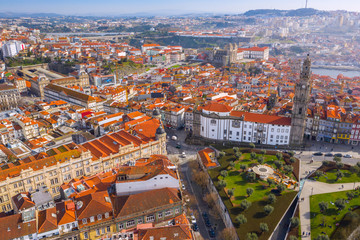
[306, 3]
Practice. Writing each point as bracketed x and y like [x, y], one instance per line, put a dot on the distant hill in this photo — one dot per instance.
[16, 15]
[301, 12]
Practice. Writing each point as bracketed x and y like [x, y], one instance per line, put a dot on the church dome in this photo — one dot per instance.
[160, 130]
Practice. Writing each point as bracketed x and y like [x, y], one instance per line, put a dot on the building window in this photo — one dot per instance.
[160, 215]
[121, 225]
[176, 210]
[150, 218]
[84, 221]
[139, 221]
[97, 232]
[168, 213]
[99, 216]
[86, 235]
[106, 215]
[92, 219]
[108, 228]
[130, 223]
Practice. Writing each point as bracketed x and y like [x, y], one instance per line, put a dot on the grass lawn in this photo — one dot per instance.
[236, 179]
[330, 177]
[332, 215]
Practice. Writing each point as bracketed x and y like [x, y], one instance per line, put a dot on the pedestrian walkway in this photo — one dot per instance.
[312, 188]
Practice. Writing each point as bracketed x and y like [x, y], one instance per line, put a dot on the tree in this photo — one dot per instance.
[241, 219]
[222, 184]
[323, 206]
[337, 159]
[251, 236]
[228, 234]
[291, 153]
[339, 175]
[238, 155]
[249, 191]
[340, 203]
[280, 187]
[278, 164]
[288, 168]
[224, 173]
[253, 155]
[222, 154]
[271, 198]
[232, 164]
[319, 173]
[251, 177]
[339, 165]
[263, 151]
[358, 164]
[322, 237]
[279, 155]
[252, 145]
[270, 181]
[325, 163]
[354, 169]
[244, 205]
[201, 178]
[295, 222]
[292, 160]
[350, 195]
[260, 159]
[243, 167]
[230, 192]
[264, 227]
[236, 149]
[268, 209]
[292, 237]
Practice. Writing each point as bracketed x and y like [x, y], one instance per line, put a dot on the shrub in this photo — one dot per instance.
[222, 154]
[249, 191]
[325, 163]
[339, 165]
[270, 181]
[319, 173]
[240, 219]
[292, 237]
[358, 164]
[268, 209]
[244, 205]
[264, 227]
[252, 145]
[236, 149]
[295, 222]
[263, 151]
[230, 192]
[238, 155]
[279, 155]
[350, 195]
[339, 175]
[252, 155]
[291, 153]
[271, 198]
[292, 160]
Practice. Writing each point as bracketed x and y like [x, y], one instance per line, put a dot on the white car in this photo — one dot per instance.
[183, 187]
[193, 219]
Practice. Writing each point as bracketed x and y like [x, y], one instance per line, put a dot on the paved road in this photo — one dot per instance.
[312, 188]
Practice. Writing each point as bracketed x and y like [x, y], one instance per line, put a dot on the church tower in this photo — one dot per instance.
[300, 103]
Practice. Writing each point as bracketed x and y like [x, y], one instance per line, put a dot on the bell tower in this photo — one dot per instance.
[300, 103]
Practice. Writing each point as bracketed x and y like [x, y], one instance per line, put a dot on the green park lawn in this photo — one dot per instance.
[330, 177]
[236, 179]
[332, 215]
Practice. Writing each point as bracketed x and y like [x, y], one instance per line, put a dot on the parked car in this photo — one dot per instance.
[318, 154]
[338, 155]
[347, 156]
[174, 138]
[183, 154]
[211, 232]
[183, 186]
[195, 227]
[207, 222]
[329, 155]
[193, 219]
[178, 146]
[205, 215]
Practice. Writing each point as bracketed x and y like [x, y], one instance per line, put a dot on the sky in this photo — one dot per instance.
[113, 7]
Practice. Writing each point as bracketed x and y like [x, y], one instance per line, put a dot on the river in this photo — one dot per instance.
[334, 72]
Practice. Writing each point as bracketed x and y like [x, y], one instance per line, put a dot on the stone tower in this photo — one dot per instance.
[301, 99]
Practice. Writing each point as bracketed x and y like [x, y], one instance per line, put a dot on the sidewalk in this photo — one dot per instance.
[312, 188]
